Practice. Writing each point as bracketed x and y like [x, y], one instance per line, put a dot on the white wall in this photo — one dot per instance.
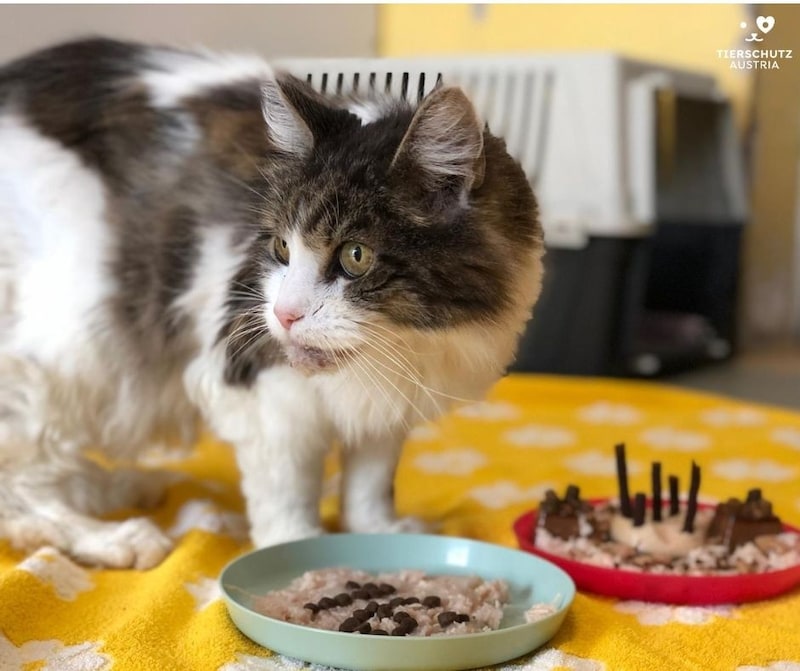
[271, 30]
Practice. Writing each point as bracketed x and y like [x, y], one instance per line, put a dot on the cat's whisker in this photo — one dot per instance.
[404, 374]
[257, 290]
[338, 211]
[393, 404]
[242, 297]
[402, 343]
[247, 296]
[245, 331]
[246, 346]
[389, 347]
[403, 366]
[411, 373]
[372, 364]
[402, 363]
[406, 369]
[245, 337]
[340, 366]
[430, 390]
[331, 216]
[390, 338]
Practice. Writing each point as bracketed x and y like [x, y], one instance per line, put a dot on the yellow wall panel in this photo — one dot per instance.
[682, 35]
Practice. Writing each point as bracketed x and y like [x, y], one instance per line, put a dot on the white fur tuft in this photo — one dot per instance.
[174, 75]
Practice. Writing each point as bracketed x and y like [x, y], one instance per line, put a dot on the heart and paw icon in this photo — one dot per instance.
[765, 23]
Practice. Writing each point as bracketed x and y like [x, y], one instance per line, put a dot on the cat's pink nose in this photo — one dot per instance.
[287, 315]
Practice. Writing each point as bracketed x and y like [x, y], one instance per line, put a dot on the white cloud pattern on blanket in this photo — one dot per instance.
[753, 470]
[678, 440]
[205, 591]
[505, 493]
[461, 461]
[732, 416]
[606, 412]
[490, 411]
[654, 614]
[52, 655]
[597, 462]
[67, 578]
[786, 435]
[537, 435]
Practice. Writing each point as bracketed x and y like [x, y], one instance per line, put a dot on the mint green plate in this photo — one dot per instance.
[531, 580]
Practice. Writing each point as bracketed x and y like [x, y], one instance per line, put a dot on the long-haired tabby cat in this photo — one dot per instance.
[187, 234]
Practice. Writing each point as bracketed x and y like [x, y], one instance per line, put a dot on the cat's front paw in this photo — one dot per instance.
[277, 534]
[391, 525]
[135, 543]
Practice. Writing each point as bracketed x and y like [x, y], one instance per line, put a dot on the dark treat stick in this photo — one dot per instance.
[622, 479]
[674, 500]
[691, 506]
[754, 495]
[655, 476]
[638, 509]
[572, 493]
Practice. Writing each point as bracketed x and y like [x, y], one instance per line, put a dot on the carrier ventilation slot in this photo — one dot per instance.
[514, 101]
[413, 86]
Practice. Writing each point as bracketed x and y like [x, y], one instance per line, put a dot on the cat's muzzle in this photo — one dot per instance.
[310, 360]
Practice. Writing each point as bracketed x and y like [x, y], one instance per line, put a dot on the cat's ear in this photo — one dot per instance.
[442, 151]
[287, 129]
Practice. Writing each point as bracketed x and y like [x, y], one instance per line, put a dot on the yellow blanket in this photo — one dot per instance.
[473, 472]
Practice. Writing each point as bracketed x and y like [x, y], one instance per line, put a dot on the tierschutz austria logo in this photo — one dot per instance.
[761, 56]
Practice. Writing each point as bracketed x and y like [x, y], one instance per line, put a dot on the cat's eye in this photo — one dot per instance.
[281, 250]
[355, 258]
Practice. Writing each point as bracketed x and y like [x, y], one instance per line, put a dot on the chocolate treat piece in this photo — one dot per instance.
[655, 478]
[349, 625]
[691, 504]
[384, 610]
[736, 523]
[343, 599]
[674, 498]
[561, 517]
[447, 618]
[639, 505]
[622, 481]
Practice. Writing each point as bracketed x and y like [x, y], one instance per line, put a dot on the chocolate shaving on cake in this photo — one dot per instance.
[674, 496]
[638, 509]
[691, 506]
[655, 476]
[622, 479]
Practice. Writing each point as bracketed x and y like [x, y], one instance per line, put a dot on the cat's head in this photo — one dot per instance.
[401, 221]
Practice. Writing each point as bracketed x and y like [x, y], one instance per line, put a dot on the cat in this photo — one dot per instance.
[191, 236]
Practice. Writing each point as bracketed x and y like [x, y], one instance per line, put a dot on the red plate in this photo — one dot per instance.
[675, 589]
